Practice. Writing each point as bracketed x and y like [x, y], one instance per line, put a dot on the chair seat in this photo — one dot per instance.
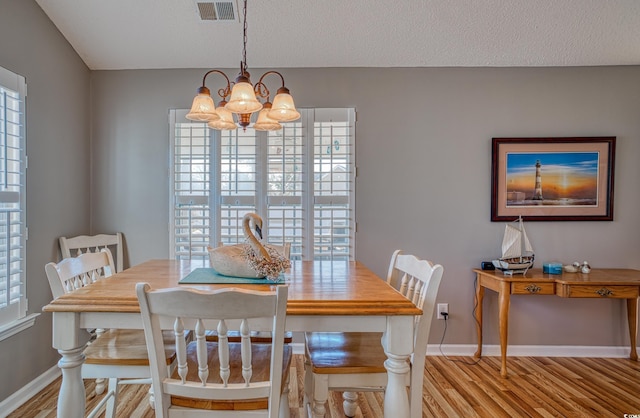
[345, 352]
[125, 347]
[256, 336]
[260, 354]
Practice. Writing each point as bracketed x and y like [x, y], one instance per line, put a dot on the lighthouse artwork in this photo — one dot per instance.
[569, 178]
[555, 179]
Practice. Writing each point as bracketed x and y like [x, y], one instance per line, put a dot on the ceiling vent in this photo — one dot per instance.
[218, 11]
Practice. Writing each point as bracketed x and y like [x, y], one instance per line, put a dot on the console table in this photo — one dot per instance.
[599, 283]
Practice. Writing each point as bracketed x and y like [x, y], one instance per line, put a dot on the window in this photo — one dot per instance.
[300, 179]
[13, 303]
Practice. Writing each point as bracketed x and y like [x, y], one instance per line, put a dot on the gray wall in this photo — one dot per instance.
[424, 167]
[58, 120]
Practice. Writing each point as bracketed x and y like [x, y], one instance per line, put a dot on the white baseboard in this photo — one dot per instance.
[28, 391]
[529, 350]
[14, 401]
[517, 350]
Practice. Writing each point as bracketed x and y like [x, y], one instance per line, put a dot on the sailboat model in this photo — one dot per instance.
[517, 252]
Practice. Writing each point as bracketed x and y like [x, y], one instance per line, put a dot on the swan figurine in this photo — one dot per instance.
[249, 260]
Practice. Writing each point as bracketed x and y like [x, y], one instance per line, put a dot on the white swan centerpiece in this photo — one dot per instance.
[249, 260]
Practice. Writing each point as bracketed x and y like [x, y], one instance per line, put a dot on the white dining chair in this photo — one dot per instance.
[119, 355]
[221, 378]
[354, 361]
[74, 246]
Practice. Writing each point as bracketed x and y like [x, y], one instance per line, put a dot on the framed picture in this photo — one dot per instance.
[552, 179]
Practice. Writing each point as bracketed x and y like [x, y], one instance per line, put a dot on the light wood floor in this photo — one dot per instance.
[454, 387]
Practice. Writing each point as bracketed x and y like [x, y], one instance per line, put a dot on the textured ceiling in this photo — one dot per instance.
[146, 34]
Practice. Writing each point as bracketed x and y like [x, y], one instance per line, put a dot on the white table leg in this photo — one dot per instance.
[398, 344]
[70, 342]
[71, 400]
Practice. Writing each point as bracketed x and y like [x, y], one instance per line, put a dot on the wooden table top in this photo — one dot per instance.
[315, 288]
[595, 277]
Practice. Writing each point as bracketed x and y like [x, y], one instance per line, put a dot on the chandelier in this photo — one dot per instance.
[242, 100]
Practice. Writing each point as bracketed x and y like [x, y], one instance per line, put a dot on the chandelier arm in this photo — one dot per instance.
[223, 92]
[270, 72]
[261, 90]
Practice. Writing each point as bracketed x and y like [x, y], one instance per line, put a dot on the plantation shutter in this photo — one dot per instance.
[190, 178]
[286, 187]
[238, 185]
[334, 183]
[13, 303]
[300, 179]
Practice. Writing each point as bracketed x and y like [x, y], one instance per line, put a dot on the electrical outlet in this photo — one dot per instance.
[443, 308]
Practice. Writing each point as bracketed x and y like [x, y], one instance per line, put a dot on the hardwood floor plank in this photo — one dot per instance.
[454, 387]
[616, 389]
[497, 397]
[619, 379]
[530, 386]
[546, 414]
[440, 381]
[544, 393]
[433, 400]
[603, 396]
[565, 402]
[482, 395]
[374, 402]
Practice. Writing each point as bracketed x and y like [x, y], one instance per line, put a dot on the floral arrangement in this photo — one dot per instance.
[270, 269]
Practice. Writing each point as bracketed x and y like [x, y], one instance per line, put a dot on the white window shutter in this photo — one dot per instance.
[300, 179]
[13, 303]
[334, 183]
[190, 215]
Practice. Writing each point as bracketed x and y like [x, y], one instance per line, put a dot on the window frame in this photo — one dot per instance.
[13, 166]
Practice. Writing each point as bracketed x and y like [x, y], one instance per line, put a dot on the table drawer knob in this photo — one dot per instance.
[604, 292]
[532, 288]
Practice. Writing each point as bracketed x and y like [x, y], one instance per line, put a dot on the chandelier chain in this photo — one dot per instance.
[244, 37]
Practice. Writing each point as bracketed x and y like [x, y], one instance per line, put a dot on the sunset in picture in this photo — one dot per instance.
[553, 179]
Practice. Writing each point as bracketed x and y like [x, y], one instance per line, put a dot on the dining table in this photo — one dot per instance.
[324, 295]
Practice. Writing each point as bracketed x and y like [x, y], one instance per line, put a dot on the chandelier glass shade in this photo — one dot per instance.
[203, 108]
[243, 100]
[225, 119]
[264, 122]
[283, 109]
